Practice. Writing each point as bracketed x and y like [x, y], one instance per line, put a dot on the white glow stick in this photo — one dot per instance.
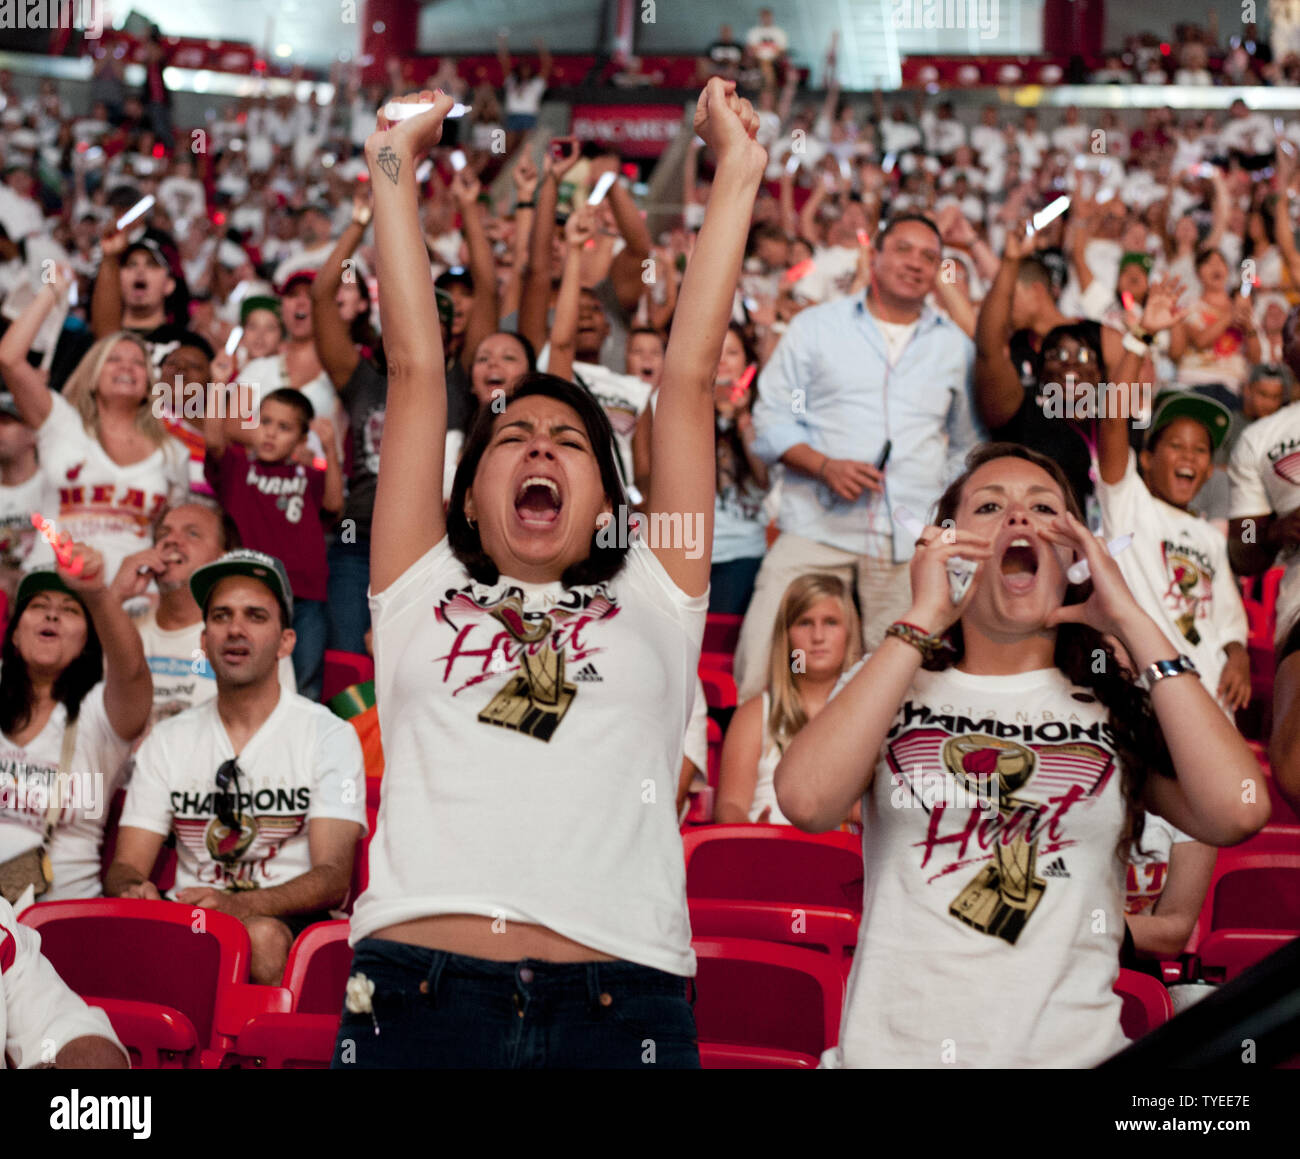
[397, 111]
[236, 337]
[792, 163]
[1045, 217]
[423, 173]
[458, 160]
[960, 571]
[1080, 572]
[138, 210]
[603, 186]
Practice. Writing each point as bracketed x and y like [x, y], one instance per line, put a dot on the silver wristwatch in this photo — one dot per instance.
[1163, 668]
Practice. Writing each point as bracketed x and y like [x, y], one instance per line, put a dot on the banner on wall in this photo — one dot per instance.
[631, 130]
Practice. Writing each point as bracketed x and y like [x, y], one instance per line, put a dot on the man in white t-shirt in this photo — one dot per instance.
[187, 538]
[43, 1023]
[1264, 530]
[263, 788]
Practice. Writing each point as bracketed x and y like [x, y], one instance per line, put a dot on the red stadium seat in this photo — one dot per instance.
[719, 688]
[342, 670]
[164, 869]
[156, 1037]
[156, 952]
[766, 995]
[1253, 887]
[721, 632]
[1146, 1003]
[318, 966]
[774, 863]
[831, 931]
[722, 1056]
[1226, 953]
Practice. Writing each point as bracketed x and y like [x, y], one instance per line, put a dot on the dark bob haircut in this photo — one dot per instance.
[602, 563]
[70, 686]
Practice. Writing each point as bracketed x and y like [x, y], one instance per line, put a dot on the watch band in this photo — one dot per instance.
[1153, 673]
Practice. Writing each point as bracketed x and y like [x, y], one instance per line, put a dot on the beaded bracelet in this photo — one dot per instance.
[928, 645]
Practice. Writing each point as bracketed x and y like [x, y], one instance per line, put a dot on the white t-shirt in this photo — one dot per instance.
[1148, 871]
[623, 397]
[524, 97]
[101, 503]
[39, 1013]
[831, 275]
[511, 805]
[1177, 569]
[1265, 476]
[28, 772]
[182, 676]
[17, 535]
[768, 42]
[897, 335]
[269, 373]
[765, 787]
[1015, 983]
[302, 764]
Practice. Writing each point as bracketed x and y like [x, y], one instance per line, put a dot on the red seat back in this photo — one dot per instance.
[1226, 953]
[317, 968]
[342, 670]
[761, 994]
[1146, 1003]
[1258, 897]
[830, 931]
[159, 952]
[721, 632]
[727, 1056]
[719, 688]
[774, 863]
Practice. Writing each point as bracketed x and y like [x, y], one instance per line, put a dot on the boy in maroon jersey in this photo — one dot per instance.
[277, 504]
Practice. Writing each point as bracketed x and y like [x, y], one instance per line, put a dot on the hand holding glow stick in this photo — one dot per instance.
[398, 111]
[62, 551]
[138, 210]
[960, 571]
[603, 186]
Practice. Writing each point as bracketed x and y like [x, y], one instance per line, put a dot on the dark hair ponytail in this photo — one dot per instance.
[1085, 656]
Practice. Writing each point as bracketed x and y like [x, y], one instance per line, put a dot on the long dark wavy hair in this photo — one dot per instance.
[70, 686]
[603, 562]
[1139, 743]
[743, 475]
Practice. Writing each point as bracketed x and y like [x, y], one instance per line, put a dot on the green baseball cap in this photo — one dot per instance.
[1176, 404]
[42, 579]
[254, 564]
[258, 302]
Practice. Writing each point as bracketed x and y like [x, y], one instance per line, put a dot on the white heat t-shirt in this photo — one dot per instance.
[17, 535]
[1265, 476]
[39, 1013]
[28, 774]
[303, 763]
[1177, 569]
[993, 901]
[1148, 871]
[101, 503]
[182, 676]
[532, 743]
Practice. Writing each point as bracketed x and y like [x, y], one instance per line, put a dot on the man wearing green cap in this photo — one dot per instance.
[1177, 564]
[263, 788]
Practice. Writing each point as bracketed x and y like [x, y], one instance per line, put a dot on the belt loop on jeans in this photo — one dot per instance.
[691, 992]
[429, 987]
[593, 983]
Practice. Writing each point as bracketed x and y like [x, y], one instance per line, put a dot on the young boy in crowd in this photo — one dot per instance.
[277, 503]
[1177, 565]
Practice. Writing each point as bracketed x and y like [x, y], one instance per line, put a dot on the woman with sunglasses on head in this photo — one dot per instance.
[1003, 759]
[75, 692]
[534, 675]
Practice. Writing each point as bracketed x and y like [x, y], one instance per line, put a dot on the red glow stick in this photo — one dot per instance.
[62, 554]
[741, 385]
[795, 272]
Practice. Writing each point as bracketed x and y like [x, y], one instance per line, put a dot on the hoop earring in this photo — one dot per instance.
[473, 523]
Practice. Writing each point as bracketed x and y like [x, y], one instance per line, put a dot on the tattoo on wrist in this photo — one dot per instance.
[390, 163]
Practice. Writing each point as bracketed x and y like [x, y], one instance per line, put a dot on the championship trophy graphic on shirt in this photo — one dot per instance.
[1187, 578]
[1000, 898]
[535, 701]
[226, 843]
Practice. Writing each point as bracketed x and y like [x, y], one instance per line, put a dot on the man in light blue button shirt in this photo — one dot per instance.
[848, 377]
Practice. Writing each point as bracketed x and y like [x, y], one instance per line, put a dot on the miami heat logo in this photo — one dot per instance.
[1000, 898]
[1189, 586]
[227, 844]
[539, 644]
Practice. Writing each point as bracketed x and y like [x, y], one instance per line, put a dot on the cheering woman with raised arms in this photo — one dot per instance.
[527, 900]
[1003, 785]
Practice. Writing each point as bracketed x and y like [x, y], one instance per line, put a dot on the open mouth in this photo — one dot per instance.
[49, 633]
[1185, 475]
[140, 285]
[1019, 565]
[235, 653]
[538, 502]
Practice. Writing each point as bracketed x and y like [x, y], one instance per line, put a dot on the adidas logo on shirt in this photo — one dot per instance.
[1056, 869]
[588, 673]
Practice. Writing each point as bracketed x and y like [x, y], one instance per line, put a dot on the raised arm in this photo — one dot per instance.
[580, 227]
[525, 179]
[485, 312]
[23, 380]
[625, 271]
[544, 62]
[334, 346]
[683, 456]
[408, 518]
[738, 776]
[998, 391]
[106, 299]
[537, 281]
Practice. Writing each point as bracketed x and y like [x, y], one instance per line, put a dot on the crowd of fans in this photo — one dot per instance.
[197, 400]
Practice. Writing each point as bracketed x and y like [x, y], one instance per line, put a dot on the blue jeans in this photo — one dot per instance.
[432, 1009]
[309, 651]
[731, 584]
[348, 605]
